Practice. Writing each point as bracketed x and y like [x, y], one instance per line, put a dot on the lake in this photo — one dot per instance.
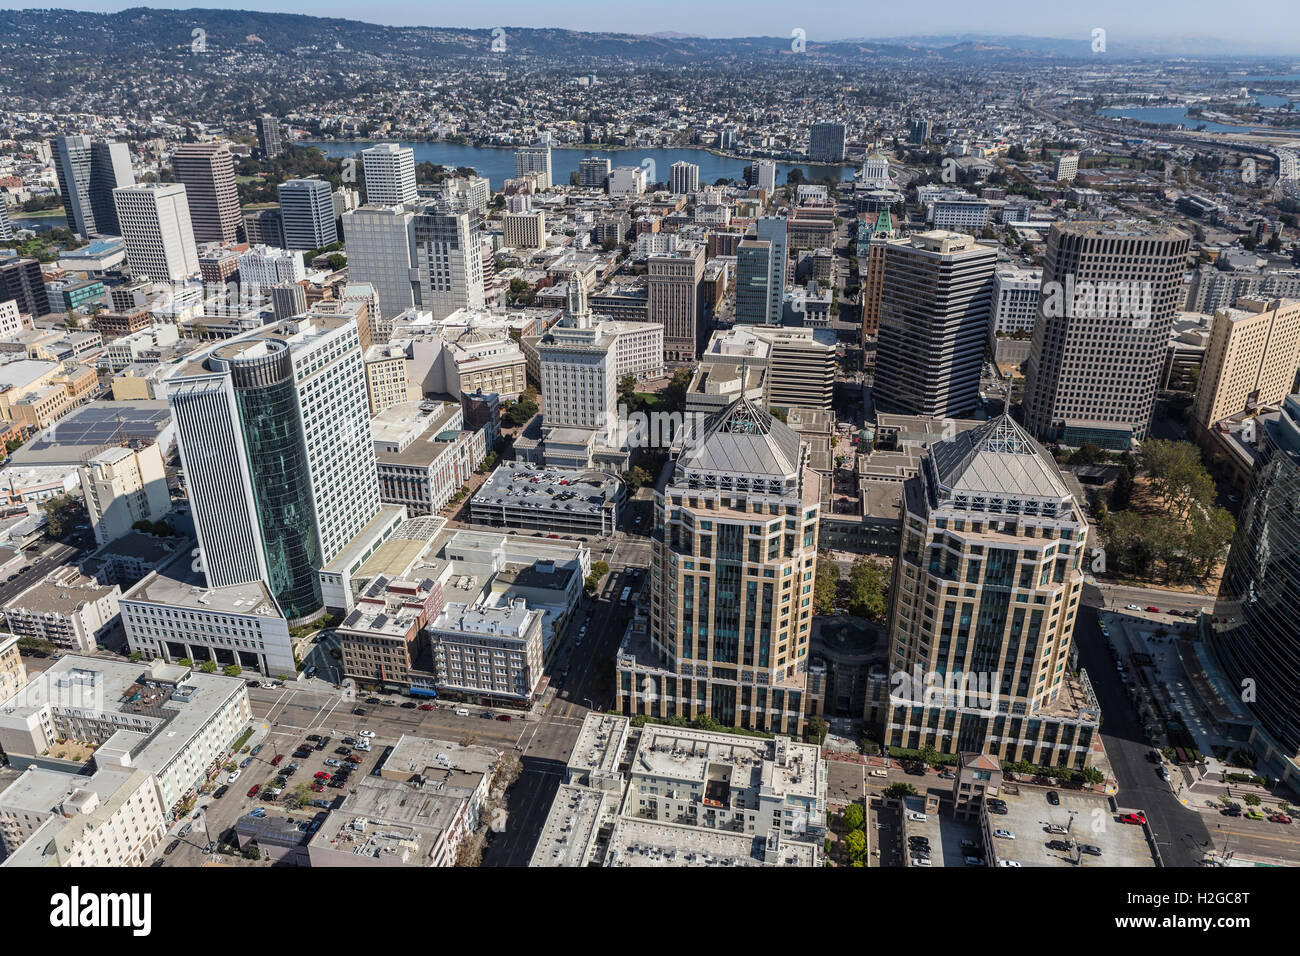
[1173, 115]
[498, 164]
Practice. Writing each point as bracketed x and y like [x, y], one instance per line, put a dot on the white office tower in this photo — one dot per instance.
[155, 222]
[122, 486]
[274, 435]
[449, 262]
[263, 267]
[6, 227]
[470, 194]
[579, 377]
[390, 174]
[307, 214]
[535, 159]
[628, 181]
[683, 177]
[381, 252]
[1015, 299]
[772, 229]
[763, 175]
[88, 173]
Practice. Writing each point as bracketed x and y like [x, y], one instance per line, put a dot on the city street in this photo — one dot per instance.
[1180, 833]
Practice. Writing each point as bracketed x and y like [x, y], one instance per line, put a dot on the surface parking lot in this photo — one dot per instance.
[945, 835]
[1088, 820]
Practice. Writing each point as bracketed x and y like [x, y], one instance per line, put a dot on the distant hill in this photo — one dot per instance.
[160, 32]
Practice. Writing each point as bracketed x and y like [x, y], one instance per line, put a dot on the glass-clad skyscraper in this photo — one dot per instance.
[262, 375]
[1256, 625]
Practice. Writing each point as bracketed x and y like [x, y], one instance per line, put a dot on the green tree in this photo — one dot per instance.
[816, 730]
[854, 817]
[828, 579]
[855, 844]
[867, 585]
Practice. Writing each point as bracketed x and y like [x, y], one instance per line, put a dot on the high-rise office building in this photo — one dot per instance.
[1255, 630]
[1251, 359]
[155, 220]
[390, 174]
[762, 173]
[22, 282]
[1066, 167]
[826, 142]
[674, 300]
[381, 251]
[262, 267]
[288, 299]
[264, 227]
[753, 276]
[274, 435]
[268, 136]
[593, 171]
[122, 486]
[535, 159]
[772, 229]
[873, 272]
[920, 131]
[88, 173]
[307, 214]
[207, 171]
[1109, 296]
[6, 227]
[1015, 299]
[449, 261]
[523, 230]
[983, 665]
[935, 303]
[683, 177]
[730, 579]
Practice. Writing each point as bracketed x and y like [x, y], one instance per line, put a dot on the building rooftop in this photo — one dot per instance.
[998, 458]
[179, 583]
[521, 485]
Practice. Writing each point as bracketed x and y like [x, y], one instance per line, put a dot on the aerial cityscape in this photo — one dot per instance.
[722, 443]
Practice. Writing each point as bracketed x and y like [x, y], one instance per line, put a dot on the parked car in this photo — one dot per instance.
[256, 750]
[1004, 834]
[349, 740]
[233, 777]
[917, 816]
[321, 775]
[343, 751]
[505, 717]
[353, 759]
[331, 762]
[313, 737]
[408, 705]
[947, 775]
[252, 791]
[372, 700]
[921, 861]
[1153, 610]
[1089, 849]
[275, 761]
[1254, 815]
[1057, 845]
[1008, 863]
[426, 706]
[1138, 818]
[171, 846]
[1056, 828]
[974, 861]
[1133, 607]
[185, 830]
[245, 762]
[1053, 798]
[220, 792]
[1280, 818]
[367, 733]
[1231, 811]
[359, 711]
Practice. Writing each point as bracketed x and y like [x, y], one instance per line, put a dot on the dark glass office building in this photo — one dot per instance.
[277, 463]
[1256, 626]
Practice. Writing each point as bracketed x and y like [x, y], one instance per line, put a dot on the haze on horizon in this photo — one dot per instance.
[1270, 28]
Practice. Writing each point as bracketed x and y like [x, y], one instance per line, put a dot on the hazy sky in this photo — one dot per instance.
[1261, 24]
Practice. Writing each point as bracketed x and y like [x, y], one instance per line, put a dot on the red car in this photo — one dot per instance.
[252, 791]
[1138, 818]
[322, 775]
[506, 717]
[426, 706]
[317, 786]
[1280, 818]
[1153, 610]
[275, 761]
